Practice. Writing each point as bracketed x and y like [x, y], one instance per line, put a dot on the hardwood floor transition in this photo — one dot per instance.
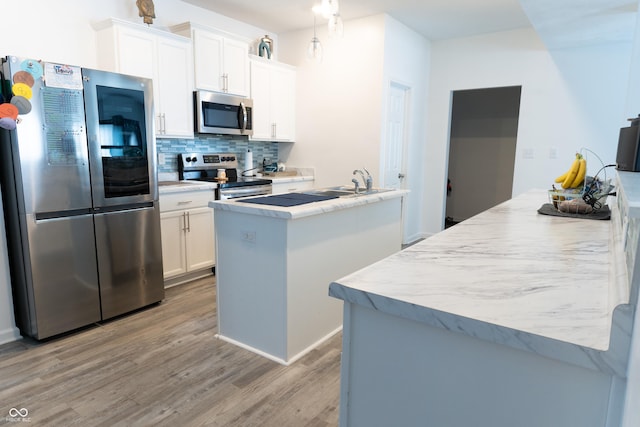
[163, 366]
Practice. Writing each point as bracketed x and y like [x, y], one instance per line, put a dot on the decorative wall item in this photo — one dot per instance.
[265, 48]
[146, 10]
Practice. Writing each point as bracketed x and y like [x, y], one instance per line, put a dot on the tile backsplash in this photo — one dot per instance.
[214, 144]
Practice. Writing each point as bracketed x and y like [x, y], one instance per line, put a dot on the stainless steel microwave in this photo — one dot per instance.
[222, 114]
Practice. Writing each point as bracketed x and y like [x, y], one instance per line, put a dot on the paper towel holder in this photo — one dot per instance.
[248, 164]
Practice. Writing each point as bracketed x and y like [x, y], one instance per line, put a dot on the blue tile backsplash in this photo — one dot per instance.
[215, 144]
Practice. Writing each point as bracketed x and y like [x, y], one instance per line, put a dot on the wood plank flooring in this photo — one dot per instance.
[163, 366]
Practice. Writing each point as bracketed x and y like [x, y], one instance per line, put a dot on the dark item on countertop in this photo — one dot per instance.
[287, 200]
[577, 206]
[603, 213]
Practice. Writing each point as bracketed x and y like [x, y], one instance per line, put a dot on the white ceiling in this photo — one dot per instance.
[435, 19]
[560, 23]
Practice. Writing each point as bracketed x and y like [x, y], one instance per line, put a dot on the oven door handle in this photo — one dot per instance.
[244, 192]
[242, 115]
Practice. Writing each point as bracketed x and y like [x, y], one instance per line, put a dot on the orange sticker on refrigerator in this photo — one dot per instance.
[8, 110]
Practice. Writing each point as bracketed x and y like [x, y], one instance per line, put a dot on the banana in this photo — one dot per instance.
[562, 177]
[573, 172]
[582, 172]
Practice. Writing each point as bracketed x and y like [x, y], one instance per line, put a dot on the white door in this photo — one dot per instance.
[200, 243]
[395, 143]
[172, 231]
[208, 60]
[395, 138]
[236, 67]
[175, 99]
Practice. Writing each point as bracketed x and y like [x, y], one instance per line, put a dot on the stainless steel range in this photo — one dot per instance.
[204, 167]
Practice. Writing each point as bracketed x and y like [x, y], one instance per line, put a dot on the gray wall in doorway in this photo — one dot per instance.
[484, 127]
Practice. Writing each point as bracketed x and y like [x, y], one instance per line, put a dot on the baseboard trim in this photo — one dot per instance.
[9, 335]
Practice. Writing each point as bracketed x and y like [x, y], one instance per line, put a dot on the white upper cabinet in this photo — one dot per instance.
[221, 62]
[165, 58]
[273, 92]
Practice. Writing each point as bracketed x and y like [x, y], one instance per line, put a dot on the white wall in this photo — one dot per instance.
[341, 102]
[571, 98]
[407, 58]
[338, 102]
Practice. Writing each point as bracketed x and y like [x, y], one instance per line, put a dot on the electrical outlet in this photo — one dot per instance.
[249, 236]
[528, 153]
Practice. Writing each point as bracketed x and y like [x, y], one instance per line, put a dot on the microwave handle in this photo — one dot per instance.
[243, 119]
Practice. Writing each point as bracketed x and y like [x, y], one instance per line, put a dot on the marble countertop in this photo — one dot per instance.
[170, 187]
[309, 209]
[509, 275]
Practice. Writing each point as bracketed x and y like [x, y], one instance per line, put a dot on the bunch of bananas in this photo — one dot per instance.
[576, 173]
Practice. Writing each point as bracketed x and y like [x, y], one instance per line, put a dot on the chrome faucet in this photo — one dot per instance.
[368, 181]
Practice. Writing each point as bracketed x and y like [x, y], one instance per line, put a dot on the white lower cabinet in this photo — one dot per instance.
[187, 229]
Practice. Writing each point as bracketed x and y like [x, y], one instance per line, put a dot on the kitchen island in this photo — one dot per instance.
[510, 318]
[273, 265]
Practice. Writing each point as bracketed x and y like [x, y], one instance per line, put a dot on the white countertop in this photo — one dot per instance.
[170, 187]
[508, 275]
[309, 209]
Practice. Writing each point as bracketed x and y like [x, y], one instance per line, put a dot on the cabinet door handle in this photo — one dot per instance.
[164, 124]
[273, 130]
[188, 223]
[184, 222]
[185, 202]
[225, 82]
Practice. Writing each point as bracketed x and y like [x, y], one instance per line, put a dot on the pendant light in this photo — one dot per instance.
[314, 50]
[335, 26]
[328, 8]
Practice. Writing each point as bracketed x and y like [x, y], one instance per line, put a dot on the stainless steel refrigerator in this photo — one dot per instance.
[80, 196]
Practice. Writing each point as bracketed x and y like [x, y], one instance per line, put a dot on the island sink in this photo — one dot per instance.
[346, 191]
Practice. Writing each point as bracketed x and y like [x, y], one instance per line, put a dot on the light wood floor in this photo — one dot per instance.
[164, 367]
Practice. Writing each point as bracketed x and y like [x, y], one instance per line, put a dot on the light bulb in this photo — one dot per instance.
[335, 26]
[329, 8]
[314, 50]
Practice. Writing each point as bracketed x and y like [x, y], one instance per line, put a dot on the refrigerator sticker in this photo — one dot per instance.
[32, 67]
[21, 89]
[24, 77]
[64, 148]
[63, 113]
[62, 76]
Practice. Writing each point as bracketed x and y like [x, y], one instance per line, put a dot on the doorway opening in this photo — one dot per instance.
[482, 150]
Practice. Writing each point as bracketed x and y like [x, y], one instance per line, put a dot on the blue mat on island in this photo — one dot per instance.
[289, 199]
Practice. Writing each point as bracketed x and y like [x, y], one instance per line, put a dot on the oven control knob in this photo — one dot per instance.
[188, 159]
